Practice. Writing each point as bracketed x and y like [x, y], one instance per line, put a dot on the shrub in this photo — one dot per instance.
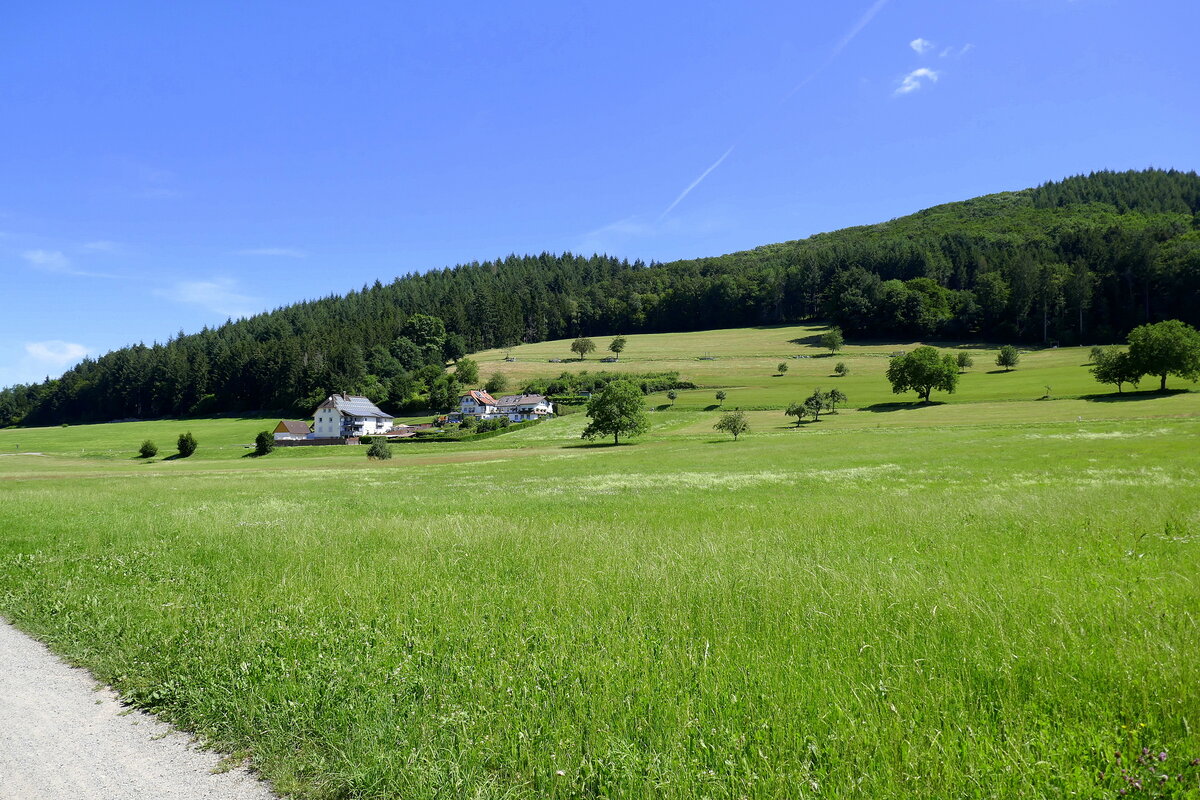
[379, 451]
[964, 360]
[1007, 357]
[1095, 354]
[264, 443]
[469, 424]
[782, 368]
[148, 449]
[186, 444]
[365, 440]
[496, 383]
[841, 370]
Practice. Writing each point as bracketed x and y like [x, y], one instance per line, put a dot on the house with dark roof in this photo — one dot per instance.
[291, 429]
[347, 415]
[516, 407]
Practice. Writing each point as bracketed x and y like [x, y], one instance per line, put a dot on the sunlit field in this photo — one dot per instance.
[986, 597]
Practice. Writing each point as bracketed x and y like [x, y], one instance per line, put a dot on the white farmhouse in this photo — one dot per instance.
[344, 415]
[517, 407]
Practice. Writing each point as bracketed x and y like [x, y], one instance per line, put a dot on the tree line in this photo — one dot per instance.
[1084, 260]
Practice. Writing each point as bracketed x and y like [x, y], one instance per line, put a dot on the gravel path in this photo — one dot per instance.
[61, 739]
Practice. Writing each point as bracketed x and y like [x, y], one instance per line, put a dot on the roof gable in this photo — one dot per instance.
[352, 405]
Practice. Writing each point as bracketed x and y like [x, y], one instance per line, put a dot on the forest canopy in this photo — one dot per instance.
[1082, 260]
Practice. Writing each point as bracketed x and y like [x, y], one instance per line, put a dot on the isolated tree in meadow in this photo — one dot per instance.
[617, 346]
[841, 370]
[583, 346]
[186, 445]
[1008, 357]
[798, 411]
[721, 396]
[467, 372]
[1095, 354]
[833, 340]
[836, 396]
[671, 395]
[1166, 348]
[148, 449]
[782, 368]
[922, 371]
[1115, 366]
[816, 403]
[964, 361]
[496, 384]
[618, 410]
[264, 443]
[379, 451]
[733, 422]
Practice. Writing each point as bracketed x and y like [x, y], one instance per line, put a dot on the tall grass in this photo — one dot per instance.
[965, 612]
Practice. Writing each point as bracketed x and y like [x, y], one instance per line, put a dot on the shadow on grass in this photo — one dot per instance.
[595, 445]
[713, 407]
[1122, 397]
[911, 406]
[174, 457]
[999, 371]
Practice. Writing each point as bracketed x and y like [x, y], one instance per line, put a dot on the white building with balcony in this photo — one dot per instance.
[346, 415]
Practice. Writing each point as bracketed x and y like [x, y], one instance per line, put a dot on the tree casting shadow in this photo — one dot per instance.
[1123, 397]
[910, 406]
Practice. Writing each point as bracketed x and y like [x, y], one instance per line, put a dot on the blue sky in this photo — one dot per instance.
[167, 165]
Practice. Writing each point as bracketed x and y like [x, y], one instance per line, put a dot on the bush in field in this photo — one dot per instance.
[733, 422]
[1008, 357]
[379, 451]
[782, 368]
[617, 411]
[721, 396]
[922, 371]
[469, 423]
[1095, 353]
[186, 444]
[495, 384]
[841, 370]
[671, 395]
[964, 361]
[148, 449]
[264, 443]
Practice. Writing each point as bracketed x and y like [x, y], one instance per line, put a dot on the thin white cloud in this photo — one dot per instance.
[55, 352]
[913, 80]
[49, 260]
[857, 28]
[56, 261]
[956, 52]
[285, 252]
[922, 46]
[220, 295]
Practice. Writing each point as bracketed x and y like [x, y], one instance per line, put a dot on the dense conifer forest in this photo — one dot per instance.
[1083, 260]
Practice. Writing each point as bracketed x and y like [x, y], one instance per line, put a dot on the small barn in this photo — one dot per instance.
[291, 429]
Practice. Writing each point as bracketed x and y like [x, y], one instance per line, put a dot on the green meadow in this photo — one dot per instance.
[983, 597]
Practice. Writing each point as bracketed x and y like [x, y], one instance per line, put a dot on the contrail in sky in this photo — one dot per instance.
[863, 22]
[696, 182]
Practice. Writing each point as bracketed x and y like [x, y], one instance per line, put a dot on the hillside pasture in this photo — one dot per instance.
[986, 597]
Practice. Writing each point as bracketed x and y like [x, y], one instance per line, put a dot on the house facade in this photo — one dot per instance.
[516, 407]
[347, 415]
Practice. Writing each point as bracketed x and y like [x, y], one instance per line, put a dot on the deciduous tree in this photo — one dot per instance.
[733, 422]
[922, 371]
[1008, 357]
[618, 410]
[1166, 348]
[617, 346]
[833, 340]
[583, 346]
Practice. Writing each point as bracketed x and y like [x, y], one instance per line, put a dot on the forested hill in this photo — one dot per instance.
[1080, 260]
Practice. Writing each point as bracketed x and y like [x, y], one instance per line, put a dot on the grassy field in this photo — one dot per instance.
[981, 598]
